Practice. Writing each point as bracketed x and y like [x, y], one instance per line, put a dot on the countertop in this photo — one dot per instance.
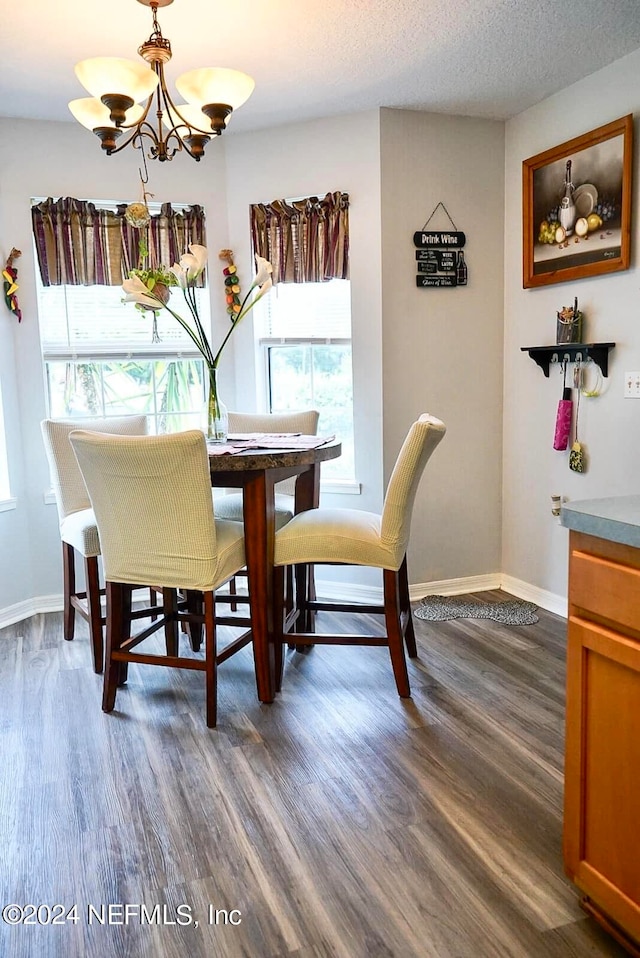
[616, 519]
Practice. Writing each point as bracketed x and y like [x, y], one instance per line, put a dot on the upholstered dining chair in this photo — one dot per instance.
[353, 537]
[78, 530]
[229, 506]
[151, 496]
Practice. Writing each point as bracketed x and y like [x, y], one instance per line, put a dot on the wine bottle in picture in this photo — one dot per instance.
[461, 270]
[567, 212]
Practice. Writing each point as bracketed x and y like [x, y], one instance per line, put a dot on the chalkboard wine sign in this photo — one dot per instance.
[440, 258]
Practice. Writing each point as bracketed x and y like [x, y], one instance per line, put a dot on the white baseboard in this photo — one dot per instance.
[24, 610]
[557, 604]
[370, 594]
[367, 595]
[471, 583]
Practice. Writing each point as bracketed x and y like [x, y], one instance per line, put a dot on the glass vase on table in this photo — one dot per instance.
[216, 417]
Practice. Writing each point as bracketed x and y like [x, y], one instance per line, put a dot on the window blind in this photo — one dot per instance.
[93, 321]
[308, 311]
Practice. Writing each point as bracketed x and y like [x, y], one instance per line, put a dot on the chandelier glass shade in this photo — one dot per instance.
[92, 113]
[123, 93]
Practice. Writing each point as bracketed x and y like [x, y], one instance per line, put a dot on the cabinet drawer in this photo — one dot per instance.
[606, 589]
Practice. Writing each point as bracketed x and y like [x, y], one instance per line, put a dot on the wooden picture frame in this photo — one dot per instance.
[556, 246]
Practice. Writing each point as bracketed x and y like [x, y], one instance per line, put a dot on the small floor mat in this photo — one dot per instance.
[437, 608]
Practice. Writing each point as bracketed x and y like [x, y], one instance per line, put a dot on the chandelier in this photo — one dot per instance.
[119, 87]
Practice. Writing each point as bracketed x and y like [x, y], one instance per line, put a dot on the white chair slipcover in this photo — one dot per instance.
[78, 530]
[152, 501]
[349, 536]
[229, 506]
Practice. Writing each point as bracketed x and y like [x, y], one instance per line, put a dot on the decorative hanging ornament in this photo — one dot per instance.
[137, 214]
[10, 275]
[231, 283]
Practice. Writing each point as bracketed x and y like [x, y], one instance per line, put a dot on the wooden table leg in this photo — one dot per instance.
[259, 537]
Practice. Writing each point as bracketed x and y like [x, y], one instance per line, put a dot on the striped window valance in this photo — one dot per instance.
[306, 241]
[79, 243]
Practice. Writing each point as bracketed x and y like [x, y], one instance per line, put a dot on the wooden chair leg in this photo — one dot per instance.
[127, 606]
[194, 606]
[304, 591]
[94, 610]
[394, 632]
[405, 609]
[311, 596]
[152, 602]
[289, 595]
[69, 588]
[279, 613]
[210, 660]
[233, 590]
[170, 606]
[116, 626]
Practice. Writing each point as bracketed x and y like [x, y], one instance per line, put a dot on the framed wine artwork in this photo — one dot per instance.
[576, 207]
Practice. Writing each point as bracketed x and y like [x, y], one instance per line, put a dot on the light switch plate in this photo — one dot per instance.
[632, 385]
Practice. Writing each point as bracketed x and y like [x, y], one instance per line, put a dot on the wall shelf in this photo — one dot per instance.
[572, 352]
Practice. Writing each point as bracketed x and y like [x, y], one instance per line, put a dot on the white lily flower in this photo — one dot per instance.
[186, 272]
[265, 269]
[137, 292]
[265, 287]
[180, 274]
[194, 262]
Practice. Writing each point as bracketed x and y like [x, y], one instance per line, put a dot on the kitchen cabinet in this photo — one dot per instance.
[602, 764]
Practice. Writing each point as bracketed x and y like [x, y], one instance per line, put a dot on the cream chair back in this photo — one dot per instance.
[305, 422]
[68, 484]
[151, 496]
[422, 439]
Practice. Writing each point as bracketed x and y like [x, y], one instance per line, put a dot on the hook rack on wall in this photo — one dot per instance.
[571, 353]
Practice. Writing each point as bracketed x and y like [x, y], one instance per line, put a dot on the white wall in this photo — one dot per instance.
[534, 544]
[310, 159]
[442, 348]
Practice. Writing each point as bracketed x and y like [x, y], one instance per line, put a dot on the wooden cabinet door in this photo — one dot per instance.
[602, 770]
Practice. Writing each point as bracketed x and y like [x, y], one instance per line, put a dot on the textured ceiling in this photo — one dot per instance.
[315, 58]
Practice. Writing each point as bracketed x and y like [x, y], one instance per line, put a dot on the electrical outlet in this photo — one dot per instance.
[632, 385]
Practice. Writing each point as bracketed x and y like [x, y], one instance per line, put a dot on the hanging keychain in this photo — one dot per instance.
[577, 462]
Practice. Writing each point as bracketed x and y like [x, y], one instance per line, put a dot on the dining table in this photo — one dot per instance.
[254, 463]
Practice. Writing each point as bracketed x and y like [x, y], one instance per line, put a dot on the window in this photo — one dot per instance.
[105, 358]
[307, 352]
[100, 360]
[306, 335]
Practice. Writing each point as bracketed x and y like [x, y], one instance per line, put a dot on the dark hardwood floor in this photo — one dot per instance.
[339, 821]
